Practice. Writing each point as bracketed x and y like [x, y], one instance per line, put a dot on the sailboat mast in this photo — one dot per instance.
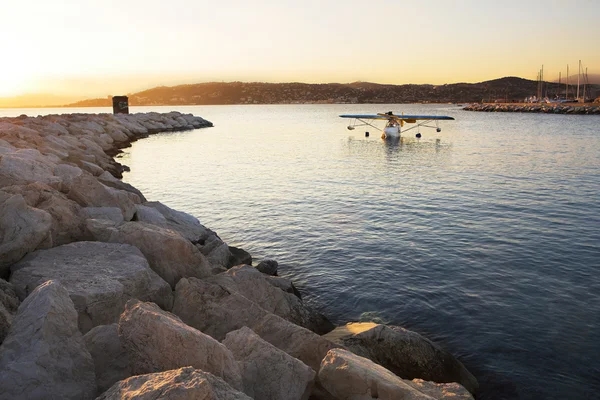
[567, 90]
[578, 74]
[542, 80]
[585, 81]
[558, 88]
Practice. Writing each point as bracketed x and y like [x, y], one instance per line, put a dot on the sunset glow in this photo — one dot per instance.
[97, 48]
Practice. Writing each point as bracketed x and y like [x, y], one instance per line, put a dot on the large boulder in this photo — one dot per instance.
[405, 353]
[100, 278]
[9, 303]
[269, 373]
[22, 229]
[66, 225]
[187, 225]
[348, 376]
[87, 191]
[26, 166]
[216, 251]
[158, 341]
[179, 384]
[107, 179]
[216, 310]
[298, 342]
[110, 358]
[170, 255]
[266, 292]
[44, 355]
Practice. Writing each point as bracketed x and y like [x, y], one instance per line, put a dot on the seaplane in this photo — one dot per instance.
[395, 123]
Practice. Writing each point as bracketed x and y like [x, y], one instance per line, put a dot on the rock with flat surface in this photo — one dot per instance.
[22, 229]
[170, 255]
[405, 353]
[110, 358]
[266, 291]
[9, 303]
[184, 383]
[348, 376]
[44, 355]
[100, 278]
[156, 341]
[269, 373]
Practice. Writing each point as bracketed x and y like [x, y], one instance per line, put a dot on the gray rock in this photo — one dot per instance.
[108, 180]
[268, 267]
[156, 340]
[87, 191]
[268, 372]
[44, 355]
[9, 303]
[66, 225]
[448, 391]
[266, 291]
[170, 255]
[405, 353]
[239, 257]
[113, 214]
[150, 215]
[100, 278]
[26, 166]
[348, 376]
[212, 308]
[187, 225]
[298, 342]
[110, 358]
[216, 311]
[22, 229]
[179, 384]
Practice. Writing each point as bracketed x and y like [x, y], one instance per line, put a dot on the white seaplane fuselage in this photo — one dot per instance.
[391, 130]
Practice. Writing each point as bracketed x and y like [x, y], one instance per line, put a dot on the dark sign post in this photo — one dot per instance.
[120, 105]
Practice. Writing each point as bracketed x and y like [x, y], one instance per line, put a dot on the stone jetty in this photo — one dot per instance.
[105, 294]
[548, 108]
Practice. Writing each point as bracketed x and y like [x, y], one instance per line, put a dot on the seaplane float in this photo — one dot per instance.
[395, 123]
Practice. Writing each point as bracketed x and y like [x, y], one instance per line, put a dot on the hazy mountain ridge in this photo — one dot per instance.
[502, 89]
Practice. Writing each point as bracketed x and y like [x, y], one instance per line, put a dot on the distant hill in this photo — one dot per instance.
[36, 100]
[503, 89]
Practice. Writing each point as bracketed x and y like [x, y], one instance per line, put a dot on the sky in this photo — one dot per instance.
[96, 48]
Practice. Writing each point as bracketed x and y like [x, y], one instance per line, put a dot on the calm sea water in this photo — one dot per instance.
[487, 242]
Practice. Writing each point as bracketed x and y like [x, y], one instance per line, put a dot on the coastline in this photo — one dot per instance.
[63, 205]
[548, 108]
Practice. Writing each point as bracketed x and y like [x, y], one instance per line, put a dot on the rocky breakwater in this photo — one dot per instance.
[548, 108]
[104, 293]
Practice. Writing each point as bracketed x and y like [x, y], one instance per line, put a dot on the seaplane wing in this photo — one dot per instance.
[406, 118]
[364, 116]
